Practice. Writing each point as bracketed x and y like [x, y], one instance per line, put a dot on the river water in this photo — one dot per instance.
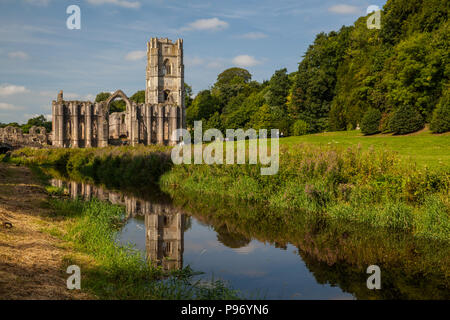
[174, 236]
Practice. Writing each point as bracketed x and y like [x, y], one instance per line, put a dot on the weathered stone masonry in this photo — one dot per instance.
[83, 124]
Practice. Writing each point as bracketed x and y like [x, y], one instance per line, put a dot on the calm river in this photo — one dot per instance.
[317, 266]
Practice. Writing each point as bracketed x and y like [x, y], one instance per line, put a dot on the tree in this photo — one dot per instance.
[370, 123]
[39, 121]
[230, 83]
[406, 119]
[138, 96]
[279, 86]
[102, 96]
[299, 128]
[203, 106]
[441, 116]
[187, 95]
[117, 105]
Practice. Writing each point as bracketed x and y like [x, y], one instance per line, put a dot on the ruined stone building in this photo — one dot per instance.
[79, 124]
[16, 138]
[164, 223]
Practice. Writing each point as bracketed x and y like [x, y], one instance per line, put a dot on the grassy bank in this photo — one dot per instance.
[370, 185]
[336, 252]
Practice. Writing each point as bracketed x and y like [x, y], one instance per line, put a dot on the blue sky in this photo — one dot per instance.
[39, 55]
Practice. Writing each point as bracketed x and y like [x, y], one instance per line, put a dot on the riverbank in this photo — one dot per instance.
[31, 260]
[50, 233]
[373, 186]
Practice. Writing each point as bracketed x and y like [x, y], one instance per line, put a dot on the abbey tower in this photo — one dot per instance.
[165, 74]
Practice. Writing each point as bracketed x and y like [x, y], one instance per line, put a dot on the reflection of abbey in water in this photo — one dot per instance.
[164, 224]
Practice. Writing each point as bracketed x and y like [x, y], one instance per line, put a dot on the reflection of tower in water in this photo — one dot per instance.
[164, 237]
[164, 224]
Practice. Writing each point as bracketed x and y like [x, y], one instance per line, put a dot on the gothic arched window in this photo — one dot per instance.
[167, 68]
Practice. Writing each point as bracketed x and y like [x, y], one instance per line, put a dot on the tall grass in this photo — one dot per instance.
[373, 186]
[370, 186]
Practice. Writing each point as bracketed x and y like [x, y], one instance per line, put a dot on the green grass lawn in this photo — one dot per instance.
[424, 148]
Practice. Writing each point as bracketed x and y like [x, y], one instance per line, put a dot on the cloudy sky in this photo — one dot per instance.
[39, 55]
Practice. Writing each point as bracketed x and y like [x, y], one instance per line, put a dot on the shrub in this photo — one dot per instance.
[299, 128]
[384, 122]
[371, 121]
[406, 119]
[441, 115]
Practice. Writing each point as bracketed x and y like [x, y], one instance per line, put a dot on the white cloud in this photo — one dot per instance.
[213, 24]
[135, 55]
[121, 3]
[372, 8]
[42, 3]
[18, 55]
[253, 35]
[245, 61]
[8, 106]
[10, 89]
[344, 9]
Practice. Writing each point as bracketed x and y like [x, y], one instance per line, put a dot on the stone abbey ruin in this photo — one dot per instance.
[83, 124]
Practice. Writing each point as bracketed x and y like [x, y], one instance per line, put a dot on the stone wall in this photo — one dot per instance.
[37, 137]
[84, 124]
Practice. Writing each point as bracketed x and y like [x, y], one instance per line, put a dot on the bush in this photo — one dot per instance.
[299, 128]
[405, 120]
[370, 122]
[384, 122]
[441, 115]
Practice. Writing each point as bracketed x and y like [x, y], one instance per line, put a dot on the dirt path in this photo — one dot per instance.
[31, 261]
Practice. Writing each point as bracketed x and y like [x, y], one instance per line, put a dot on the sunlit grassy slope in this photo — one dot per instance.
[424, 148]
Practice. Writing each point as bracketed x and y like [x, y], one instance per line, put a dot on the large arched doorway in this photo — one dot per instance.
[120, 129]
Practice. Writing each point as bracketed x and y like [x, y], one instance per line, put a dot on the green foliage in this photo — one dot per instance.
[138, 96]
[187, 95]
[279, 86]
[116, 106]
[405, 120]
[441, 116]
[102, 96]
[370, 123]
[299, 128]
[203, 106]
[38, 121]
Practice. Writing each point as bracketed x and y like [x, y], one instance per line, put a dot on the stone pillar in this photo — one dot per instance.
[75, 125]
[102, 127]
[74, 187]
[136, 131]
[173, 125]
[88, 126]
[160, 125]
[54, 132]
[60, 125]
[148, 123]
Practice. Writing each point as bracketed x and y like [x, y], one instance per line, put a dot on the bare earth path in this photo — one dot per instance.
[31, 261]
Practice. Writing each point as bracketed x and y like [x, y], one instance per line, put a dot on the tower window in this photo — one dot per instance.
[167, 67]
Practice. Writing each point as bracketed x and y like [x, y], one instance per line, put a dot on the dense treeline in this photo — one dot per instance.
[396, 78]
